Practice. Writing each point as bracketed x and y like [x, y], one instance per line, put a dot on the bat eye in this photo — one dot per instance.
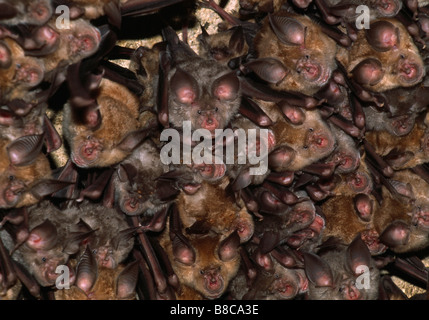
[307, 56]
[11, 178]
[43, 259]
[201, 272]
[94, 251]
[216, 109]
[88, 137]
[199, 111]
[311, 129]
[402, 56]
[305, 147]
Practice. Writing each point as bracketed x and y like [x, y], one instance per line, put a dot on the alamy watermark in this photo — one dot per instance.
[252, 147]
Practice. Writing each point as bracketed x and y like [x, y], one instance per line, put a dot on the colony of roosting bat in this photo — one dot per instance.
[341, 113]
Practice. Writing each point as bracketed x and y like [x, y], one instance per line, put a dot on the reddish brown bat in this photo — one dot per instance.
[94, 282]
[18, 73]
[211, 208]
[404, 151]
[204, 263]
[383, 57]
[297, 143]
[105, 131]
[301, 46]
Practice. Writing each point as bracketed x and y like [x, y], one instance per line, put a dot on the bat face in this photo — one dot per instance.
[223, 46]
[387, 57]
[101, 146]
[299, 145]
[334, 275]
[209, 274]
[204, 93]
[135, 181]
[16, 181]
[303, 49]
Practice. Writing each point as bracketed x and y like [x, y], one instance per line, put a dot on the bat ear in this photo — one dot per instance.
[237, 40]
[368, 72]
[268, 242]
[264, 260]
[24, 150]
[113, 14]
[382, 35]
[52, 138]
[289, 30]
[74, 241]
[268, 69]
[182, 249]
[184, 86]
[395, 234]
[127, 281]
[87, 271]
[228, 248]
[126, 172]
[43, 237]
[47, 187]
[133, 139]
[123, 237]
[226, 87]
[358, 255]
[317, 270]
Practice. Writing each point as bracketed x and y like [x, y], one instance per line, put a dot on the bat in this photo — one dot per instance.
[25, 12]
[86, 129]
[333, 273]
[301, 46]
[94, 282]
[136, 181]
[383, 57]
[200, 90]
[204, 264]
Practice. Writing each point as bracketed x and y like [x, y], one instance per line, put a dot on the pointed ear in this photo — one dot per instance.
[47, 187]
[123, 237]
[228, 248]
[24, 150]
[43, 237]
[317, 270]
[237, 40]
[52, 138]
[182, 249]
[289, 30]
[87, 271]
[133, 139]
[184, 86]
[126, 172]
[268, 69]
[226, 87]
[75, 240]
[358, 255]
[127, 281]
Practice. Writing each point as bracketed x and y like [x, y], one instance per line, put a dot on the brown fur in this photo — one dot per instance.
[296, 136]
[103, 289]
[190, 279]
[217, 209]
[320, 47]
[415, 141]
[119, 110]
[360, 50]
